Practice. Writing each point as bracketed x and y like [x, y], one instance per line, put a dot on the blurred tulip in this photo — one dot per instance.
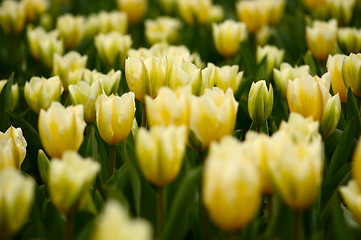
[314, 4]
[71, 29]
[16, 199]
[33, 8]
[135, 9]
[162, 29]
[14, 136]
[194, 11]
[253, 14]
[260, 102]
[48, 45]
[39, 92]
[12, 16]
[112, 21]
[349, 39]
[321, 38]
[114, 117]
[69, 180]
[351, 73]
[216, 14]
[232, 187]
[7, 158]
[274, 57]
[264, 34]
[341, 10]
[14, 93]
[274, 10]
[61, 128]
[356, 164]
[334, 67]
[351, 195]
[227, 37]
[160, 152]
[113, 223]
[223, 77]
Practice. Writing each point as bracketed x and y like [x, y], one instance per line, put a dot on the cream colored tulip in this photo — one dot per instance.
[33, 8]
[162, 29]
[12, 16]
[213, 115]
[232, 187]
[113, 223]
[274, 57]
[14, 93]
[253, 14]
[275, 9]
[17, 194]
[351, 195]
[160, 152]
[114, 117]
[135, 9]
[69, 180]
[112, 21]
[341, 10]
[194, 11]
[351, 73]
[349, 39]
[356, 164]
[109, 82]
[61, 129]
[334, 67]
[71, 29]
[41, 92]
[223, 77]
[49, 45]
[18, 146]
[216, 14]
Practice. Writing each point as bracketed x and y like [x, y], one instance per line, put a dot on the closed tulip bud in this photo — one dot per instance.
[69, 180]
[349, 39]
[232, 186]
[12, 16]
[86, 95]
[314, 4]
[146, 77]
[274, 10]
[334, 67]
[34, 37]
[112, 45]
[71, 29]
[33, 8]
[216, 14]
[169, 107]
[185, 74]
[61, 128]
[331, 114]
[223, 77]
[92, 25]
[16, 199]
[356, 164]
[351, 195]
[287, 72]
[194, 11]
[114, 117]
[321, 38]
[227, 37]
[14, 93]
[253, 14]
[109, 82]
[112, 21]
[63, 65]
[351, 73]
[41, 92]
[113, 223]
[14, 136]
[341, 10]
[274, 57]
[160, 152]
[162, 29]
[260, 102]
[213, 115]
[135, 9]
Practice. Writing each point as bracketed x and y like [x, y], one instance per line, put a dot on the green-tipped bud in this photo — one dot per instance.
[351, 73]
[43, 165]
[331, 115]
[260, 102]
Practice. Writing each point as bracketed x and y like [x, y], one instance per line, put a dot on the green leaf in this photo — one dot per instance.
[43, 165]
[352, 111]
[5, 103]
[314, 65]
[176, 224]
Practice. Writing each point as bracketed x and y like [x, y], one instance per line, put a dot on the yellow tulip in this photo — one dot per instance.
[14, 136]
[109, 82]
[260, 102]
[274, 57]
[7, 158]
[135, 9]
[69, 180]
[314, 4]
[334, 66]
[34, 8]
[227, 37]
[351, 73]
[71, 29]
[351, 194]
[162, 29]
[114, 117]
[194, 11]
[356, 164]
[232, 187]
[41, 92]
[16, 199]
[253, 14]
[341, 10]
[169, 107]
[112, 21]
[61, 128]
[274, 10]
[113, 223]
[213, 115]
[349, 39]
[12, 16]
[160, 152]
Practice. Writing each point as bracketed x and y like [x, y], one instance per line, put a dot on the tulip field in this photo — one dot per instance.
[180, 119]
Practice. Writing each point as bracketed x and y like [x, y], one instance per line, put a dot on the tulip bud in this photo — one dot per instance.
[253, 14]
[114, 116]
[351, 73]
[114, 223]
[34, 8]
[71, 30]
[216, 14]
[34, 37]
[12, 16]
[49, 45]
[86, 95]
[227, 37]
[287, 72]
[18, 145]
[232, 187]
[274, 57]
[169, 107]
[92, 25]
[69, 180]
[160, 152]
[61, 128]
[223, 77]
[274, 10]
[109, 82]
[67, 63]
[194, 11]
[351, 195]
[264, 34]
[341, 10]
[145, 77]
[331, 115]
[260, 102]
[14, 93]
[356, 164]
[334, 67]
[135, 9]
[162, 29]
[112, 21]
[41, 92]
[314, 4]
[349, 39]
[111, 45]
[16, 198]
[213, 115]
[43, 165]
[321, 38]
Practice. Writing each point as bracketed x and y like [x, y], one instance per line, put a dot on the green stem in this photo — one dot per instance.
[160, 196]
[298, 225]
[144, 117]
[258, 128]
[69, 227]
[113, 151]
